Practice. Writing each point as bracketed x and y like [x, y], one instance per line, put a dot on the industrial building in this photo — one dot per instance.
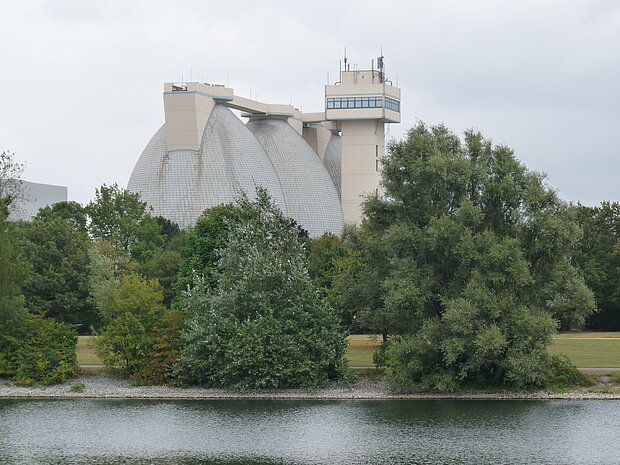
[317, 166]
[32, 197]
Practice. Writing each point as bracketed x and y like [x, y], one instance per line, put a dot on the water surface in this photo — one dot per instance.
[459, 432]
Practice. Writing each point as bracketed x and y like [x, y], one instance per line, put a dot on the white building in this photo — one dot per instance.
[33, 197]
[317, 166]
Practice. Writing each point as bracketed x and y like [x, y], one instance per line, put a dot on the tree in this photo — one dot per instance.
[13, 270]
[120, 217]
[10, 178]
[358, 282]
[132, 326]
[164, 265]
[480, 274]
[12, 274]
[323, 254]
[56, 245]
[598, 258]
[45, 352]
[32, 348]
[264, 325]
[204, 242]
[72, 212]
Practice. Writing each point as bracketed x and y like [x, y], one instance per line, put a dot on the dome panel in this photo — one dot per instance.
[181, 184]
[311, 198]
[331, 160]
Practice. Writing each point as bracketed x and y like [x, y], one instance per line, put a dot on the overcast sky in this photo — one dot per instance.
[81, 82]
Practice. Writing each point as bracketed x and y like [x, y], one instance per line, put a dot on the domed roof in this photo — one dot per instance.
[332, 158]
[311, 198]
[181, 184]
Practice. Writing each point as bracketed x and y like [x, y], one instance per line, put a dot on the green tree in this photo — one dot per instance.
[480, 273]
[264, 325]
[204, 242]
[598, 258]
[32, 348]
[12, 274]
[165, 264]
[45, 352]
[323, 255]
[134, 333]
[72, 212]
[11, 185]
[358, 282]
[120, 217]
[56, 245]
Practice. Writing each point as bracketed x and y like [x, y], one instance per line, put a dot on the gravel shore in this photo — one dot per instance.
[105, 386]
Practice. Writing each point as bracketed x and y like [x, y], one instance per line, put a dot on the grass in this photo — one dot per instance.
[360, 349]
[86, 351]
[584, 349]
[589, 349]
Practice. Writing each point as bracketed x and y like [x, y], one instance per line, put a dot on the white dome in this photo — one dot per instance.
[181, 184]
[311, 198]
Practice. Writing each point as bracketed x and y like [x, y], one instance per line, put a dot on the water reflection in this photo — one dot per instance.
[308, 432]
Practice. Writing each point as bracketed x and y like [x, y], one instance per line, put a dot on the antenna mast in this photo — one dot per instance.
[381, 67]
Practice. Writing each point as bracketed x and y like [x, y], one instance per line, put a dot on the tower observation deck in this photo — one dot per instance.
[359, 106]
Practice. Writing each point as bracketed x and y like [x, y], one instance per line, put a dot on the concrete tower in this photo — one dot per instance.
[360, 105]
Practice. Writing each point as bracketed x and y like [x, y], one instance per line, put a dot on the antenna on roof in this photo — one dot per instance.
[381, 67]
[345, 58]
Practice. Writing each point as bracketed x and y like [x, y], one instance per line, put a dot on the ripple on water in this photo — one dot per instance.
[111, 431]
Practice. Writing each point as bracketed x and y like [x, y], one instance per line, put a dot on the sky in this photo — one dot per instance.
[81, 82]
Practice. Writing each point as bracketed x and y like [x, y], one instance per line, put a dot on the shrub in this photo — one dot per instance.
[264, 325]
[563, 374]
[164, 352]
[140, 337]
[45, 352]
[77, 387]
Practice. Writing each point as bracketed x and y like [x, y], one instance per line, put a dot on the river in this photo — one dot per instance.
[463, 432]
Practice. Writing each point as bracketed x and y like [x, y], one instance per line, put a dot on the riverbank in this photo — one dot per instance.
[108, 387]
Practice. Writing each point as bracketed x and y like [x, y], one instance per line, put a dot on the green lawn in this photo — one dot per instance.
[585, 349]
[589, 349]
[360, 349]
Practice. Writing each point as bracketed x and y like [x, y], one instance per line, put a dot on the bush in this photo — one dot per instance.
[264, 325]
[563, 374]
[77, 387]
[164, 352]
[44, 352]
[140, 337]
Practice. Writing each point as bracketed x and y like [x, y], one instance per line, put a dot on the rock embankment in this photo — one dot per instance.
[105, 386]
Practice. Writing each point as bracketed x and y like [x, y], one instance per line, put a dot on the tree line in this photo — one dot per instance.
[466, 265]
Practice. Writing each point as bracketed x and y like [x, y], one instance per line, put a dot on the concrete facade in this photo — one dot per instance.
[35, 196]
[324, 167]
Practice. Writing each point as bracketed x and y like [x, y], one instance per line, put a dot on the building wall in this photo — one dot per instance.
[35, 197]
[363, 145]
